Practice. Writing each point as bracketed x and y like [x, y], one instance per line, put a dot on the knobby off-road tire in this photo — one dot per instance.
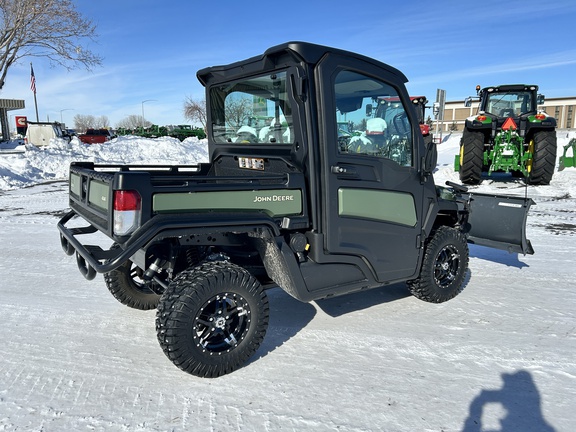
[128, 288]
[471, 157]
[212, 319]
[543, 147]
[444, 267]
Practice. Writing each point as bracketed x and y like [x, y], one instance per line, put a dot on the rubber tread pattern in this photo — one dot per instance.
[425, 287]
[182, 301]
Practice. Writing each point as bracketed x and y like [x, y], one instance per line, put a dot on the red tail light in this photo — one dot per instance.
[127, 211]
[127, 200]
[540, 116]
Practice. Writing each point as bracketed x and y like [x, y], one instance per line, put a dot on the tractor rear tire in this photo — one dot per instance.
[471, 157]
[443, 273]
[212, 318]
[543, 146]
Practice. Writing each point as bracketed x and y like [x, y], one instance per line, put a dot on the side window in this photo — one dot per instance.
[371, 119]
[254, 110]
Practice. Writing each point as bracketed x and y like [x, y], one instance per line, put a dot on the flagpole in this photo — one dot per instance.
[36, 106]
[33, 88]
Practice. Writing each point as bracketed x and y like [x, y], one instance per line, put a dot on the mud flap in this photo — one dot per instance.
[499, 222]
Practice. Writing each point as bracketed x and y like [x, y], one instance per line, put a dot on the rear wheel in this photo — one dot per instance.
[212, 318]
[543, 147]
[471, 157]
[443, 268]
[127, 286]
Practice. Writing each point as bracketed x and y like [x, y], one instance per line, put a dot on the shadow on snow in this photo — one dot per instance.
[519, 406]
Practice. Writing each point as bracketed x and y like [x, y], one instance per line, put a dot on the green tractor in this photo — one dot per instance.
[508, 134]
[185, 131]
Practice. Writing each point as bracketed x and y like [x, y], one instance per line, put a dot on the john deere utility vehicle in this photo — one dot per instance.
[307, 203]
[508, 135]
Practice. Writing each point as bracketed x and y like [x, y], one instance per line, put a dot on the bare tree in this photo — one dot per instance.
[133, 122]
[51, 29]
[82, 122]
[195, 111]
[102, 122]
[238, 111]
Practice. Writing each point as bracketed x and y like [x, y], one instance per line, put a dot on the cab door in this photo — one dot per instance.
[373, 192]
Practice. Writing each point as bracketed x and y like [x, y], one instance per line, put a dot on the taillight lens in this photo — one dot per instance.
[127, 211]
[540, 116]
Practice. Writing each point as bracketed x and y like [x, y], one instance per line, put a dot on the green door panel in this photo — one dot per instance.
[379, 205]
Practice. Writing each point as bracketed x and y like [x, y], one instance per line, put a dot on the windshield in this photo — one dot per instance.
[255, 110]
[509, 104]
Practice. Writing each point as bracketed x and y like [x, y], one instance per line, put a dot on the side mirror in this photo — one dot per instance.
[540, 99]
[468, 102]
[430, 159]
[369, 110]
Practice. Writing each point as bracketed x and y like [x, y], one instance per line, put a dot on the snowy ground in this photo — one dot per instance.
[499, 357]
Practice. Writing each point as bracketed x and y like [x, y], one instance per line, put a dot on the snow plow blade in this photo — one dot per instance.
[499, 222]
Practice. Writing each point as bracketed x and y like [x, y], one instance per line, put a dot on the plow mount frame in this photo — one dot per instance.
[566, 161]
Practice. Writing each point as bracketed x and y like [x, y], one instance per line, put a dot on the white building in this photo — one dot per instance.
[562, 108]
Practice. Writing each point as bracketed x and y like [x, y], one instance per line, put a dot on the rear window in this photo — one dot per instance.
[251, 111]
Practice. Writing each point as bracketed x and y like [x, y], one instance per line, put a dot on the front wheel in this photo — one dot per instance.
[212, 318]
[443, 268]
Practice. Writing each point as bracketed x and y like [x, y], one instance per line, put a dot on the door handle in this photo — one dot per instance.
[344, 171]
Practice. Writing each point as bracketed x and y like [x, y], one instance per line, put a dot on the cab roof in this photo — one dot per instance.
[511, 87]
[283, 55]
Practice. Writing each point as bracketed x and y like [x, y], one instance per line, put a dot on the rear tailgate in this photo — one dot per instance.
[92, 193]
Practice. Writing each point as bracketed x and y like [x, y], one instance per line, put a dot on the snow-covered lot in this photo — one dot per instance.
[499, 357]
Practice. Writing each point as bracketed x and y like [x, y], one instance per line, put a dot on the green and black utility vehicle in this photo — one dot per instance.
[508, 135]
[286, 202]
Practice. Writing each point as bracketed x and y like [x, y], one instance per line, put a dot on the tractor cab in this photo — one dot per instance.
[515, 101]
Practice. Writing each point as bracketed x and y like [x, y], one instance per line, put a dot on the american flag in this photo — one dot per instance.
[32, 80]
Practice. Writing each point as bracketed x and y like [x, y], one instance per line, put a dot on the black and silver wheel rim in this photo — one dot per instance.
[221, 323]
[446, 266]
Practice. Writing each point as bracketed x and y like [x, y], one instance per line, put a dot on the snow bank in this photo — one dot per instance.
[34, 165]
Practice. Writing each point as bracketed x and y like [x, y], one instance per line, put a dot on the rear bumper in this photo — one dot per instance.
[92, 259]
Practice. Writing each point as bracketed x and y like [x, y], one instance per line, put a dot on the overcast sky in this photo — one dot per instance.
[152, 49]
